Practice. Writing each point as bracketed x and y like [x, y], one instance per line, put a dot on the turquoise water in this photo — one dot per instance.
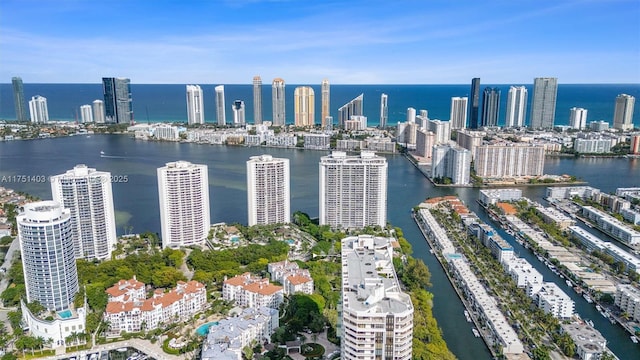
[203, 329]
[65, 314]
[290, 241]
[235, 239]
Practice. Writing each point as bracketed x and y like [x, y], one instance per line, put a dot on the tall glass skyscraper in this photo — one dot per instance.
[277, 99]
[543, 105]
[352, 108]
[384, 110]
[490, 106]
[117, 100]
[516, 106]
[46, 244]
[257, 100]
[18, 99]
[325, 102]
[623, 113]
[221, 115]
[474, 103]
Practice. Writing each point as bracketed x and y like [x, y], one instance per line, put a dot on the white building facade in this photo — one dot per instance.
[377, 317]
[48, 262]
[183, 190]
[268, 190]
[88, 194]
[38, 110]
[195, 105]
[353, 190]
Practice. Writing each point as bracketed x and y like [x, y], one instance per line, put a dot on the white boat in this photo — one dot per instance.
[589, 322]
[634, 339]
[466, 315]
[599, 308]
[101, 152]
[568, 282]
[589, 300]
[475, 332]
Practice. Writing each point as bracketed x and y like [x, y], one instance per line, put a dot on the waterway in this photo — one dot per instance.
[136, 201]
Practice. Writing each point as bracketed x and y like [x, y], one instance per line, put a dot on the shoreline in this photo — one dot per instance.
[438, 255]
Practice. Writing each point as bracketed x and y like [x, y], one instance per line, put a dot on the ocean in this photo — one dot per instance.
[167, 102]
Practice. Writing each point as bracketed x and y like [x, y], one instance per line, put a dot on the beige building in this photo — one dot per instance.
[304, 106]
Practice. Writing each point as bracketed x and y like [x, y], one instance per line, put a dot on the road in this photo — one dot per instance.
[15, 246]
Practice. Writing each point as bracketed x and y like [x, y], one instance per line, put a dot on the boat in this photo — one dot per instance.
[634, 339]
[599, 308]
[588, 298]
[101, 152]
[475, 332]
[568, 282]
[121, 350]
[466, 315]
[589, 322]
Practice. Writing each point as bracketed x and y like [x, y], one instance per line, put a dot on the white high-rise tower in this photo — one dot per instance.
[458, 118]
[86, 114]
[98, 111]
[238, 113]
[268, 190]
[384, 110]
[38, 110]
[46, 244]
[578, 118]
[88, 194]
[353, 190]
[183, 189]
[195, 105]
[221, 116]
[516, 106]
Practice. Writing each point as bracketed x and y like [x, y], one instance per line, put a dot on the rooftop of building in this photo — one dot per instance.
[370, 284]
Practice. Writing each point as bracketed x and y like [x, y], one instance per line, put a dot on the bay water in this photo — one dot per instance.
[136, 201]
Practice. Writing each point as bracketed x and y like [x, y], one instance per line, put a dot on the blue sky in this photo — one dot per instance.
[348, 42]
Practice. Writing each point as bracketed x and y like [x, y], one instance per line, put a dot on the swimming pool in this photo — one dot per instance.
[65, 314]
[203, 329]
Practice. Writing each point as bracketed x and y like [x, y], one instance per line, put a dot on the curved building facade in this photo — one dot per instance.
[48, 261]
